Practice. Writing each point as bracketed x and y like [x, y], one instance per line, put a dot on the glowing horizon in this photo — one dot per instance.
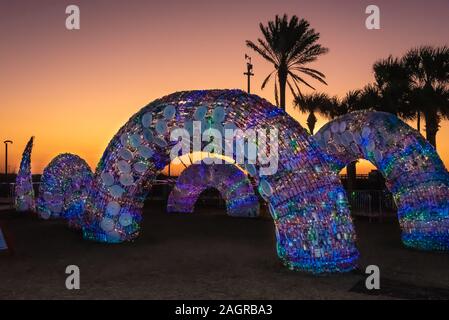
[73, 90]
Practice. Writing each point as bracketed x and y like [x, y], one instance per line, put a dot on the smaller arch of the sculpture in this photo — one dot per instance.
[24, 192]
[413, 171]
[64, 188]
[232, 183]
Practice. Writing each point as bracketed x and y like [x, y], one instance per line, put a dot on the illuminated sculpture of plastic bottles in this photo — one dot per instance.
[306, 199]
[413, 171]
[24, 192]
[64, 188]
[232, 183]
[308, 204]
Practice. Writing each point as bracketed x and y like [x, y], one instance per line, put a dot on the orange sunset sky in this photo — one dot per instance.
[73, 90]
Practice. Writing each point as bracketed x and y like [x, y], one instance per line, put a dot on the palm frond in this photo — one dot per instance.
[289, 44]
[260, 51]
[267, 79]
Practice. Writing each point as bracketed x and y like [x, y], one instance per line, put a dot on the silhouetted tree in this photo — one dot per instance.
[429, 71]
[289, 45]
[329, 107]
[311, 104]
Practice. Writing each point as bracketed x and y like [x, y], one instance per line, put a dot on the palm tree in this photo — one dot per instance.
[350, 102]
[330, 107]
[391, 92]
[392, 80]
[429, 71]
[442, 100]
[289, 45]
[311, 104]
[369, 98]
[416, 104]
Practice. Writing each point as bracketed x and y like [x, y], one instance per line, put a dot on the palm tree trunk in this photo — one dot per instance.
[282, 85]
[311, 121]
[311, 130]
[432, 125]
[418, 121]
[351, 171]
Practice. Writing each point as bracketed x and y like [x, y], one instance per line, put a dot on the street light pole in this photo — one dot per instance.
[249, 71]
[6, 156]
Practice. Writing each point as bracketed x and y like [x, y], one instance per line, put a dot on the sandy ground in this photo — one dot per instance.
[205, 255]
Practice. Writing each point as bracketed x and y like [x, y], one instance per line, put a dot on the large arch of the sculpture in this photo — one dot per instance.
[24, 192]
[232, 183]
[413, 171]
[64, 188]
[314, 230]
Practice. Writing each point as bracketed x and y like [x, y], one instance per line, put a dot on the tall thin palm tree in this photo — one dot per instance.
[417, 100]
[429, 70]
[442, 100]
[289, 45]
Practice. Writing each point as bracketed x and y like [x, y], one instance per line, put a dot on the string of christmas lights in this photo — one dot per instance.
[234, 186]
[24, 192]
[413, 171]
[64, 188]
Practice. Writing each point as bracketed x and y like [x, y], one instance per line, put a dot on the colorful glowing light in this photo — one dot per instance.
[234, 186]
[413, 171]
[308, 204]
[306, 199]
[24, 192]
[64, 188]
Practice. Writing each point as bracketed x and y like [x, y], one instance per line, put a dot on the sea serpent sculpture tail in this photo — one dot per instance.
[314, 231]
[23, 189]
[306, 199]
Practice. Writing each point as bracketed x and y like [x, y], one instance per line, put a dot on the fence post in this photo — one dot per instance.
[370, 207]
[380, 206]
[12, 194]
